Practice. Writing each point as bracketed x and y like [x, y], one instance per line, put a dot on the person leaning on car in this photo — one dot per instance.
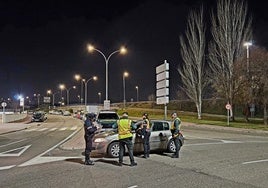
[175, 131]
[125, 138]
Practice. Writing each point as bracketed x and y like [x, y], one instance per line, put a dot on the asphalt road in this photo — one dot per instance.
[209, 158]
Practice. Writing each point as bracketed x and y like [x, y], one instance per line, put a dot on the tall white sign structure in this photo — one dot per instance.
[162, 85]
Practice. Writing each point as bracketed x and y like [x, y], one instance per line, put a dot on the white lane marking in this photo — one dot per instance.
[52, 129]
[13, 143]
[29, 130]
[134, 186]
[39, 159]
[63, 129]
[43, 129]
[6, 167]
[10, 153]
[74, 128]
[258, 161]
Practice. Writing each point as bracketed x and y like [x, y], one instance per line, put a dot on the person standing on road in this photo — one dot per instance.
[125, 138]
[90, 130]
[146, 133]
[175, 131]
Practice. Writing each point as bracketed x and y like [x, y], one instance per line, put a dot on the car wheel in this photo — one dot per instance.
[171, 146]
[113, 150]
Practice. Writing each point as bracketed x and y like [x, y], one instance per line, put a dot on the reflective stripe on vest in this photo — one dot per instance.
[124, 129]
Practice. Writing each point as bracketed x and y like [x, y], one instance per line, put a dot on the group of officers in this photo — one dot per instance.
[125, 127]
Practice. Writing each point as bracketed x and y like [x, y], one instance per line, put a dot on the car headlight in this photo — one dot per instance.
[99, 140]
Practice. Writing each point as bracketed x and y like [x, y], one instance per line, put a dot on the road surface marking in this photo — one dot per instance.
[74, 128]
[43, 129]
[6, 167]
[39, 159]
[258, 161]
[53, 129]
[13, 143]
[12, 153]
[63, 129]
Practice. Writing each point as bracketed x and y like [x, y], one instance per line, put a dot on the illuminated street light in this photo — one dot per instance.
[125, 74]
[122, 50]
[137, 88]
[78, 77]
[86, 81]
[62, 87]
[99, 94]
[247, 44]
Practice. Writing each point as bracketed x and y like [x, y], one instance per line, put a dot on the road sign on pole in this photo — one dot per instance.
[162, 85]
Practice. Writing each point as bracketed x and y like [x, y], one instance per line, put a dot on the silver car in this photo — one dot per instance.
[107, 143]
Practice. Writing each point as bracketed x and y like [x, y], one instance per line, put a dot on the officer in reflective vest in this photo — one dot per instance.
[175, 131]
[146, 133]
[125, 138]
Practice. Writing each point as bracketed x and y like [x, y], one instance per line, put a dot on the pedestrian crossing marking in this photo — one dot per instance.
[43, 129]
[53, 129]
[73, 128]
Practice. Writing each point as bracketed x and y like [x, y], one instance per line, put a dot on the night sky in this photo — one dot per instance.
[44, 43]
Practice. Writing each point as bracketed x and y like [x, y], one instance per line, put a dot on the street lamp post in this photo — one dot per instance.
[125, 74]
[247, 44]
[78, 77]
[122, 50]
[137, 88]
[99, 97]
[68, 93]
[86, 81]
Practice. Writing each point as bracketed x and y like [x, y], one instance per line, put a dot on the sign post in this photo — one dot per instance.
[162, 85]
[228, 108]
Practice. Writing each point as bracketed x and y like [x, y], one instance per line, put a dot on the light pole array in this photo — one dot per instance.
[137, 88]
[125, 74]
[122, 50]
[86, 81]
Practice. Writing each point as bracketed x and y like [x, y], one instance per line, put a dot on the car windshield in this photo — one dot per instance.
[108, 116]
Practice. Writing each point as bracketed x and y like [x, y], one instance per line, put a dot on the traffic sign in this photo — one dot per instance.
[228, 106]
[4, 104]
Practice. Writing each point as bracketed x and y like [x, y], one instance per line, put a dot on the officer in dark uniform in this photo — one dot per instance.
[90, 130]
[146, 133]
[175, 131]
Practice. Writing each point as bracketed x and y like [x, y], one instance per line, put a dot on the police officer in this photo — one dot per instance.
[175, 131]
[89, 129]
[146, 133]
[125, 138]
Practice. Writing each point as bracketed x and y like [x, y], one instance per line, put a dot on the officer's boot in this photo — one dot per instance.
[87, 160]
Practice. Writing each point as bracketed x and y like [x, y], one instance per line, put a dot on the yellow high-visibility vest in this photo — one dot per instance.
[124, 128]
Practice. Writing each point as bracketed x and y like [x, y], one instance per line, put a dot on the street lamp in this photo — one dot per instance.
[137, 88]
[86, 81]
[125, 74]
[122, 50]
[78, 77]
[62, 87]
[99, 97]
[247, 44]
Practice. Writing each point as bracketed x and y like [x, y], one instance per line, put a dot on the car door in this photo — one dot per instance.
[159, 135]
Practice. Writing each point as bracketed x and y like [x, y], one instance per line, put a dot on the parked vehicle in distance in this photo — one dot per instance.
[107, 118]
[107, 143]
[67, 113]
[39, 116]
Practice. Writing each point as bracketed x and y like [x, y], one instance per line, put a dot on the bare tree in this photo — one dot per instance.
[231, 27]
[193, 55]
